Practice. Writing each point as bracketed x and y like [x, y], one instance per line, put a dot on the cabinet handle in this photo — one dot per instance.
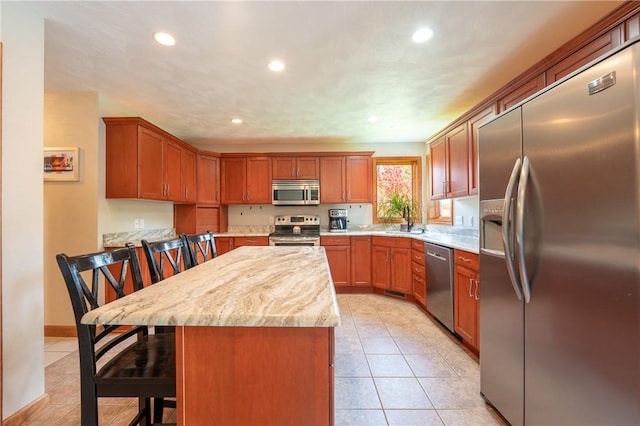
[476, 292]
[248, 195]
[298, 172]
[464, 259]
[470, 284]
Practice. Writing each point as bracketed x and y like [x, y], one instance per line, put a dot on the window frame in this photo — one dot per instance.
[416, 177]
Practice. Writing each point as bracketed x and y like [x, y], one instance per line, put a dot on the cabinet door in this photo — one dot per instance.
[361, 261]
[419, 289]
[474, 124]
[188, 176]
[233, 172]
[581, 57]
[208, 179]
[521, 92]
[339, 258]
[332, 185]
[359, 179]
[258, 180]
[401, 270]
[438, 168]
[283, 167]
[465, 311]
[172, 162]
[150, 168]
[224, 245]
[307, 168]
[457, 162]
[381, 272]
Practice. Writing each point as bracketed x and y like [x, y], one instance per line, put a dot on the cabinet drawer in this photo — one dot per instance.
[466, 259]
[418, 269]
[335, 241]
[250, 241]
[398, 242]
[417, 245]
[417, 256]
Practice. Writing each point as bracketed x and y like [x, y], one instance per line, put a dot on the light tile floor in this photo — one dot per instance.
[396, 366]
[393, 366]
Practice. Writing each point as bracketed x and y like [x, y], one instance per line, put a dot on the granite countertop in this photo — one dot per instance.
[120, 239]
[247, 287]
[461, 242]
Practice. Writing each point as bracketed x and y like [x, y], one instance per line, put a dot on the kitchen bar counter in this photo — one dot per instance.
[254, 336]
[247, 287]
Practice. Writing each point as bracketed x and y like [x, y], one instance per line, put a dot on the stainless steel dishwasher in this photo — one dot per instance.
[439, 262]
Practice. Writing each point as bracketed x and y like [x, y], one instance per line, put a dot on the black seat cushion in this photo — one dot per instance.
[148, 367]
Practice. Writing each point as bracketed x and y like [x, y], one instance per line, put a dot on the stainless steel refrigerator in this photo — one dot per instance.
[560, 250]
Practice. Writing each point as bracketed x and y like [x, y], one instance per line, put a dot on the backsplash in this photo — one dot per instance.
[119, 239]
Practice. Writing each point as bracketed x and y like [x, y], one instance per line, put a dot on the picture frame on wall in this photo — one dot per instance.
[61, 163]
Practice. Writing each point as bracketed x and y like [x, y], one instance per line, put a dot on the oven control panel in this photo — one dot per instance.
[306, 219]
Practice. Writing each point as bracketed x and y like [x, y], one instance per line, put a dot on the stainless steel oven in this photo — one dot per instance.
[296, 230]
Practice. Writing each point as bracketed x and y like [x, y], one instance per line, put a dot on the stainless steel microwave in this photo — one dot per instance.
[295, 192]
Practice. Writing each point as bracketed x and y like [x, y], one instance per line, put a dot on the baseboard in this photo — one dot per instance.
[20, 417]
[60, 331]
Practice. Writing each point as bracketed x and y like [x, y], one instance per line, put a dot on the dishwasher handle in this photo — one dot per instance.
[436, 255]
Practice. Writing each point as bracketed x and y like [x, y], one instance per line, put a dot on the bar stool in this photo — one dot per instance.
[145, 368]
[201, 247]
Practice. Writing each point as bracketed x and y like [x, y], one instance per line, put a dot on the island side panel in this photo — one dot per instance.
[255, 375]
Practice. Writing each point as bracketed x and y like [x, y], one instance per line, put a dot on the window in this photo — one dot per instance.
[398, 177]
[440, 211]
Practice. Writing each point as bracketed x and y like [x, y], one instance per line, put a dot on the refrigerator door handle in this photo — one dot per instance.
[520, 207]
[507, 229]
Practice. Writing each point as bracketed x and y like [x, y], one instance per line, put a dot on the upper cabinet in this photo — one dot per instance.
[475, 122]
[449, 164]
[346, 179]
[245, 180]
[521, 92]
[143, 161]
[208, 172]
[295, 167]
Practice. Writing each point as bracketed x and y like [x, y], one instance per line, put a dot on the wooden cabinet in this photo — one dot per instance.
[199, 218]
[391, 258]
[449, 164]
[245, 180]
[467, 298]
[188, 176]
[338, 251]
[418, 272]
[208, 172]
[581, 57]
[361, 261]
[295, 167]
[475, 122]
[346, 179]
[226, 244]
[143, 161]
[521, 92]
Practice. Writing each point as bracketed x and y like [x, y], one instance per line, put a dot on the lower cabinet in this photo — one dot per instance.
[467, 298]
[391, 259]
[338, 250]
[361, 261]
[226, 244]
[418, 272]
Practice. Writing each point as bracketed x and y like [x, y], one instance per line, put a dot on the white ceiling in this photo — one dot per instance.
[345, 62]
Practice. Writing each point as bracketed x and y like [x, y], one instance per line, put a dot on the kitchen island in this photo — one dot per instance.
[254, 335]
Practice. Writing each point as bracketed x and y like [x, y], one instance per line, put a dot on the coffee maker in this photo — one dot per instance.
[337, 220]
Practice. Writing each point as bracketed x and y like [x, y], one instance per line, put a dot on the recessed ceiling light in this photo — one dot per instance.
[422, 35]
[236, 120]
[164, 39]
[372, 119]
[276, 65]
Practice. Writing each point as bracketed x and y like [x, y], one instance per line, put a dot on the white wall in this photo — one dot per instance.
[22, 213]
[465, 212]
[119, 215]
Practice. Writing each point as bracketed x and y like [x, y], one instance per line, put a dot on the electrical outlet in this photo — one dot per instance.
[141, 223]
[271, 220]
[459, 220]
[136, 223]
[470, 220]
